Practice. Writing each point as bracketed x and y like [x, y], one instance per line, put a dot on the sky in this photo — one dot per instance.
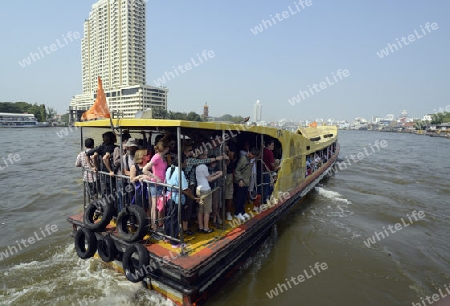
[321, 60]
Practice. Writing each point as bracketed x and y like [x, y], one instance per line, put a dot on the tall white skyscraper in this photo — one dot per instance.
[257, 112]
[113, 47]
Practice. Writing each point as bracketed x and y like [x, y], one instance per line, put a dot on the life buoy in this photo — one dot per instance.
[82, 237]
[107, 249]
[132, 223]
[95, 211]
[135, 271]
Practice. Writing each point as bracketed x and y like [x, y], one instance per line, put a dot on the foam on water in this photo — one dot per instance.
[333, 209]
[338, 206]
[65, 279]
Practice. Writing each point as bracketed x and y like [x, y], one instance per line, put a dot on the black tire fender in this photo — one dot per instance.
[106, 213]
[82, 237]
[132, 215]
[135, 272]
[107, 249]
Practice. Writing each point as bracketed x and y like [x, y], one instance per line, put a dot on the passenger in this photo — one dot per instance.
[137, 176]
[269, 162]
[308, 167]
[317, 160]
[213, 168]
[146, 143]
[312, 163]
[324, 156]
[129, 149]
[191, 163]
[230, 163]
[253, 187]
[203, 179]
[89, 175]
[105, 151]
[158, 166]
[245, 149]
[242, 176]
[128, 158]
[171, 227]
[173, 149]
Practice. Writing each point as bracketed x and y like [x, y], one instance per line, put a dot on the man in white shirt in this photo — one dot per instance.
[203, 178]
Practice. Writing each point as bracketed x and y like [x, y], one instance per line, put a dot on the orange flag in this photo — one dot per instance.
[100, 108]
[314, 124]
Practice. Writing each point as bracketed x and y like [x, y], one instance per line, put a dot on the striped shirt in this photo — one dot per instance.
[88, 176]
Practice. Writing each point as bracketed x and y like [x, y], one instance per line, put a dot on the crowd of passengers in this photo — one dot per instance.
[146, 164]
[316, 160]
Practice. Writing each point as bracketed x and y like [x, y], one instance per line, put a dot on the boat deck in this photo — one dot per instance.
[199, 246]
[202, 248]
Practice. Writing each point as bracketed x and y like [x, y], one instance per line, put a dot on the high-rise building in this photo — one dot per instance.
[113, 47]
[257, 112]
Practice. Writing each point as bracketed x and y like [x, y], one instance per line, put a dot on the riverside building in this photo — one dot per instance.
[113, 47]
[257, 111]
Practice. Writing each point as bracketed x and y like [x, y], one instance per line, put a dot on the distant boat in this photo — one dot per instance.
[11, 120]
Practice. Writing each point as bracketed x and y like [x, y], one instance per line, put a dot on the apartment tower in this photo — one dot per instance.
[113, 47]
[257, 111]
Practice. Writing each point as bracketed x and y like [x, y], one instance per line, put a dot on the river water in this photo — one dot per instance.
[396, 194]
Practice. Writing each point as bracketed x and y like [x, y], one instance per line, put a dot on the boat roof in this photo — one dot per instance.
[140, 123]
[136, 124]
[166, 123]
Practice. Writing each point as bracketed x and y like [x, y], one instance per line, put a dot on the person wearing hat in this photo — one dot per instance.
[129, 149]
[128, 159]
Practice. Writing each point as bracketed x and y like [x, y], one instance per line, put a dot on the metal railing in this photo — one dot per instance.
[117, 192]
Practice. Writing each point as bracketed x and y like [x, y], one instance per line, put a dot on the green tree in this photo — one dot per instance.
[420, 125]
[226, 117]
[65, 119]
[193, 116]
[39, 111]
[178, 116]
[51, 113]
[160, 113]
[437, 118]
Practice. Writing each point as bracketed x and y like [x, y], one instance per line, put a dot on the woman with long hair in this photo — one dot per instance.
[136, 176]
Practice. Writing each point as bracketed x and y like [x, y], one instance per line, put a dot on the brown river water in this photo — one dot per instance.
[375, 233]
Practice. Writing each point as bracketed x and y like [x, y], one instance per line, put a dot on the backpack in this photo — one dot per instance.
[140, 197]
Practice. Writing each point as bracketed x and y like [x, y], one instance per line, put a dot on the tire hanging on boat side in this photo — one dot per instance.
[82, 237]
[107, 249]
[97, 210]
[135, 273]
[132, 223]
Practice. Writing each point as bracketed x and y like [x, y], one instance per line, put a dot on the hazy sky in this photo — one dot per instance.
[304, 46]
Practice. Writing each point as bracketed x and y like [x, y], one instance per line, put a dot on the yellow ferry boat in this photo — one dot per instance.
[189, 275]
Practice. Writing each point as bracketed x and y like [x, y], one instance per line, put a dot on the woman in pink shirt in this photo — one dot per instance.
[158, 166]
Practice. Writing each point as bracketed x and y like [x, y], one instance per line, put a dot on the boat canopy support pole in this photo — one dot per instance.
[180, 224]
[261, 171]
[223, 181]
[84, 185]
